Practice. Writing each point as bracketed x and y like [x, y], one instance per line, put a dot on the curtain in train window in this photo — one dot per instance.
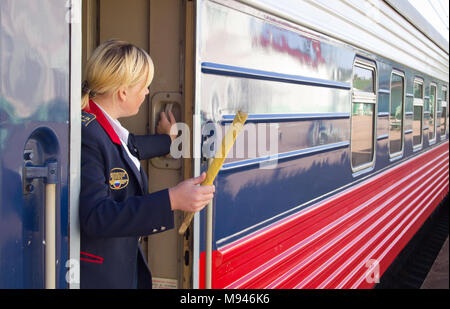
[432, 119]
[363, 115]
[418, 113]
[396, 114]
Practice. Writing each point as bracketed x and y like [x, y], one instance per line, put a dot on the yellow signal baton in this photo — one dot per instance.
[227, 142]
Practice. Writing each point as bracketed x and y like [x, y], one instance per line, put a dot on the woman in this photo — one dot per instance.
[115, 207]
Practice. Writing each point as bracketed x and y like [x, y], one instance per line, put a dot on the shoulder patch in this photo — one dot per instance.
[86, 118]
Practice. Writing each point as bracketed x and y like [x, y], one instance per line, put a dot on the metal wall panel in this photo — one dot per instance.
[34, 116]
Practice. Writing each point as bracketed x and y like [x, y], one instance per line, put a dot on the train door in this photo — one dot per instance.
[163, 29]
[37, 240]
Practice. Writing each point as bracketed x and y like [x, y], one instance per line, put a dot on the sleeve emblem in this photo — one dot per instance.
[118, 179]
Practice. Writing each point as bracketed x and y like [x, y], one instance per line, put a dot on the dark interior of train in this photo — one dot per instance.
[165, 30]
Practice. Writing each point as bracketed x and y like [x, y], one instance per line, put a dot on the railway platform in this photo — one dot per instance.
[438, 276]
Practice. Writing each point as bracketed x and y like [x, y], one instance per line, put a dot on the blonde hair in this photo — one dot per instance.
[112, 65]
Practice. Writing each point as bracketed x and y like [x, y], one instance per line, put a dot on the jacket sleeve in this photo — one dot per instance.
[149, 146]
[102, 216]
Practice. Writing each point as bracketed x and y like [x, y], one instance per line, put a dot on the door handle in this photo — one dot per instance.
[165, 102]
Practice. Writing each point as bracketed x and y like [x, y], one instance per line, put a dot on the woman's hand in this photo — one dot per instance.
[166, 126]
[188, 196]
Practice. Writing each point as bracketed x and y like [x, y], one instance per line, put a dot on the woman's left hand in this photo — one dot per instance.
[167, 126]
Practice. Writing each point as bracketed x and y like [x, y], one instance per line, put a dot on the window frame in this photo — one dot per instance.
[358, 96]
[401, 152]
[432, 141]
[418, 102]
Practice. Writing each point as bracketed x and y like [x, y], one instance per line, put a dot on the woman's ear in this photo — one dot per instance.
[122, 94]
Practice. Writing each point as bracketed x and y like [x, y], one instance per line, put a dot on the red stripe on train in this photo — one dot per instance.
[342, 242]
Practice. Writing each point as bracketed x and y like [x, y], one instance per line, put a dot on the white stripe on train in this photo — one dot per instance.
[358, 224]
[293, 249]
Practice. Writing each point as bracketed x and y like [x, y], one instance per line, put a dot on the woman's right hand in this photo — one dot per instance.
[188, 196]
[167, 125]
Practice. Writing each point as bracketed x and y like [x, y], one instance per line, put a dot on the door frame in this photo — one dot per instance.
[73, 265]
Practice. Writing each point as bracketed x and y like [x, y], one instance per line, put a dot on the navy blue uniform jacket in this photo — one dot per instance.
[115, 207]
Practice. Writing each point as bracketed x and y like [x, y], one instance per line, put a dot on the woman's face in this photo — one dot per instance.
[134, 99]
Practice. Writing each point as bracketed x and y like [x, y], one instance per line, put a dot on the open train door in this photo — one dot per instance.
[219, 94]
[39, 143]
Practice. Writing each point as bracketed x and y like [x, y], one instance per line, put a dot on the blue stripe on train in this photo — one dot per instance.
[251, 195]
[288, 117]
[228, 70]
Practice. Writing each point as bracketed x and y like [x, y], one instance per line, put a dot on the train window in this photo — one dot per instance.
[364, 101]
[417, 125]
[418, 89]
[418, 114]
[432, 119]
[363, 79]
[362, 133]
[444, 112]
[397, 106]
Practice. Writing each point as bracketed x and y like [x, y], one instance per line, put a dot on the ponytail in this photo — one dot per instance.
[86, 94]
[84, 100]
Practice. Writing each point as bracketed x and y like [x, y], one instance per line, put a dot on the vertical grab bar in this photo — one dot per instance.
[50, 237]
[49, 174]
[209, 228]
[214, 165]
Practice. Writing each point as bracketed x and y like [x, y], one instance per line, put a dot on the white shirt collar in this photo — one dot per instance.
[120, 131]
[123, 136]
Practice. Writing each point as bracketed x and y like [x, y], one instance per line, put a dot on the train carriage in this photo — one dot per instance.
[351, 180]
[342, 159]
